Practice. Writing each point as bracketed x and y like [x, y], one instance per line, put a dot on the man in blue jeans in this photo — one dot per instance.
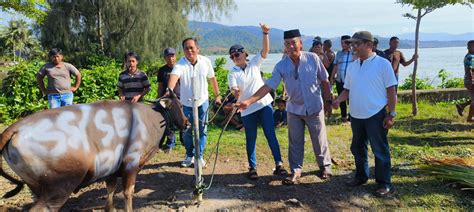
[370, 84]
[59, 91]
[193, 65]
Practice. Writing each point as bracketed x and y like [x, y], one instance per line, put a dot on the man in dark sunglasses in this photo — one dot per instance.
[370, 84]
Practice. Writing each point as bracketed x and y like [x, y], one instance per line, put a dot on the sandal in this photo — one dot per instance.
[252, 174]
[291, 180]
[279, 170]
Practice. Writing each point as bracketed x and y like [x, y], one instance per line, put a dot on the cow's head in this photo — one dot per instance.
[173, 110]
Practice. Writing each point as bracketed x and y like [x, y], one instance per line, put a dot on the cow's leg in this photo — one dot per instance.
[111, 183]
[128, 181]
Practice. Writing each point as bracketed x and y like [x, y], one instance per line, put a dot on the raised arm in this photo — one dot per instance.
[265, 40]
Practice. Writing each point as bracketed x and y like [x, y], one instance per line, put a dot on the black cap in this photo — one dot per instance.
[345, 37]
[169, 51]
[291, 34]
[236, 48]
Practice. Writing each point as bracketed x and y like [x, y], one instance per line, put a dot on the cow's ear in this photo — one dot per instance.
[165, 102]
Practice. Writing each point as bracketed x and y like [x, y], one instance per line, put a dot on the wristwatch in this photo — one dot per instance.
[392, 114]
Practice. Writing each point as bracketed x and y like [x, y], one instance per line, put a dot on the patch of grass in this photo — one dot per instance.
[437, 131]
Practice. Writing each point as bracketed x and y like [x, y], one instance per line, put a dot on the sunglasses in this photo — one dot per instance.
[347, 42]
[235, 55]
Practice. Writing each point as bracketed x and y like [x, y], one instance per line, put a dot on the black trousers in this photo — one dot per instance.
[342, 105]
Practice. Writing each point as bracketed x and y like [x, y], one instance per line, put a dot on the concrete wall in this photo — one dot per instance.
[435, 95]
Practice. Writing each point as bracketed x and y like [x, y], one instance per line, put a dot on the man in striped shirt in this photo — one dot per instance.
[133, 84]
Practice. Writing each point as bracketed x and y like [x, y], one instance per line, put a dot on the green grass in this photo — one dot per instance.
[437, 131]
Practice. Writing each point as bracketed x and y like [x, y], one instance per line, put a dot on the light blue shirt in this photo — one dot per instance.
[302, 85]
[342, 60]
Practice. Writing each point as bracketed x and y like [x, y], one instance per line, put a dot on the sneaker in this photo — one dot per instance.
[202, 162]
[187, 162]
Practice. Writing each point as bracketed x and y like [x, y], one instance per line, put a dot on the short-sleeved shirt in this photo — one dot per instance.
[395, 56]
[133, 84]
[342, 60]
[249, 81]
[367, 85]
[185, 71]
[164, 76]
[468, 64]
[59, 78]
[302, 83]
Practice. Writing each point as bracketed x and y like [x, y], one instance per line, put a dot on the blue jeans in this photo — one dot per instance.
[188, 133]
[265, 117]
[60, 99]
[371, 130]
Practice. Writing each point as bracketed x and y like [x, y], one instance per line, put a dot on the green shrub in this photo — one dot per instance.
[449, 83]
[20, 95]
[421, 84]
[221, 77]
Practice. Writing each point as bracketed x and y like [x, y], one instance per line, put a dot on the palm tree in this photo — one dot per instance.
[18, 38]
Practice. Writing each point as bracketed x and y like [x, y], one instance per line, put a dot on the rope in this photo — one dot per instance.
[216, 149]
[218, 109]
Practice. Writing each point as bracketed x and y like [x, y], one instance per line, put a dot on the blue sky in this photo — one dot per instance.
[336, 17]
[332, 18]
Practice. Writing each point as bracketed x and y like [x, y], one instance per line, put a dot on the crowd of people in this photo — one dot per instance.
[360, 72]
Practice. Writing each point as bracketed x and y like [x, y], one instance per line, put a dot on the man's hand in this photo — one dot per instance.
[73, 89]
[414, 57]
[218, 100]
[265, 28]
[335, 104]
[136, 98]
[388, 122]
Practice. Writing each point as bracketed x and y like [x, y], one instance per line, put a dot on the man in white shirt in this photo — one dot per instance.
[370, 84]
[194, 65]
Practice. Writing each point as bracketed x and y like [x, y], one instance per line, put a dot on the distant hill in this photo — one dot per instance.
[438, 36]
[217, 38]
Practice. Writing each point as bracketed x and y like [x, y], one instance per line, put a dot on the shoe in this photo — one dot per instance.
[356, 182]
[384, 191]
[325, 173]
[292, 179]
[279, 170]
[187, 162]
[252, 174]
[202, 162]
[460, 109]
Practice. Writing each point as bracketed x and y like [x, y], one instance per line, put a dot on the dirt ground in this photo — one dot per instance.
[163, 185]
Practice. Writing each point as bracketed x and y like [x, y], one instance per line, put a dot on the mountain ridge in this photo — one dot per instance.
[216, 38]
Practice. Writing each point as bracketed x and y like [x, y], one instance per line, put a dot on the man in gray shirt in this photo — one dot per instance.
[59, 91]
[304, 75]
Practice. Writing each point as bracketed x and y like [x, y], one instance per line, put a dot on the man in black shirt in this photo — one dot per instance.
[163, 78]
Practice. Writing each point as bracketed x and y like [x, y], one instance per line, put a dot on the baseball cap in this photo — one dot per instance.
[169, 51]
[362, 35]
[236, 48]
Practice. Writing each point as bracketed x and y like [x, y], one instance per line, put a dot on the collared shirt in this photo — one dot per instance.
[367, 84]
[249, 81]
[59, 77]
[302, 83]
[342, 60]
[133, 84]
[186, 71]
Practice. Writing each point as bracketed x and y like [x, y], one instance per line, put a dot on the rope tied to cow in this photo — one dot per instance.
[216, 150]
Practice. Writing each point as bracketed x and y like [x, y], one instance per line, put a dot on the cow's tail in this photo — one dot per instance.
[5, 138]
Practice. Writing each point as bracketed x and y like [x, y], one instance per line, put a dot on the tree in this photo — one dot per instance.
[34, 9]
[112, 27]
[422, 8]
[18, 39]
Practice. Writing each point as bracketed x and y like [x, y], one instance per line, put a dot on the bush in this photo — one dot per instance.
[449, 83]
[421, 84]
[20, 95]
[221, 77]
